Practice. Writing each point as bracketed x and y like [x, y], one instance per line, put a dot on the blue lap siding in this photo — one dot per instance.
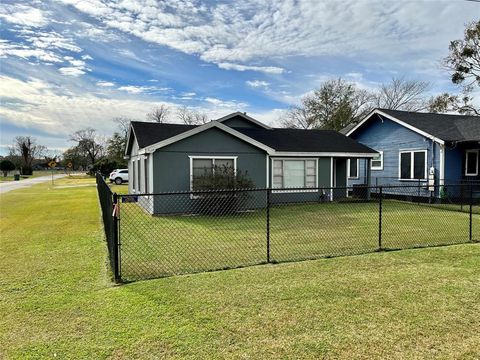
[386, 135]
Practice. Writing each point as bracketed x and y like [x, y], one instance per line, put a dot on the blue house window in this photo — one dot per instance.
[471, 163]
[353, 168]
[377, 162]
[413, 165]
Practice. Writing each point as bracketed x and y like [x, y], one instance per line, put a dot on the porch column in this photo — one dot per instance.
[369, 177]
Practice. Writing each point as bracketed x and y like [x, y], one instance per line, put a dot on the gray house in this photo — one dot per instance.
[166, 157]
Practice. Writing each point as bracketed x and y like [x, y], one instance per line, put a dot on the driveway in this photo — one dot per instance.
[14, 185]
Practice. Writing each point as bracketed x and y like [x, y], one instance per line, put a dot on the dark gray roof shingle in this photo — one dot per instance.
[446, 127]
[288, 140]
[298, 140]
[148, 133]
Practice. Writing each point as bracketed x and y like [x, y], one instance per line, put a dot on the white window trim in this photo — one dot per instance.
[358, 170]
[209, 157]
[375, 168]
[412, 165]
[294, 191]
[466, 163]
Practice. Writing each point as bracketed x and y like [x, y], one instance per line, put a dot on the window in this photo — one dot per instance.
[413, 165]
[352, 168]
[377, 162]
[124, 172]
[294, 173]
[471, 162]
[205, 165]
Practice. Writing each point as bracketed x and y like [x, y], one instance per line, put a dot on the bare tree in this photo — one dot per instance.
[123, 124]
[28, 149]
[191, 117]
[403, 94]
[89, 143]
[297, 117]
[159, 114]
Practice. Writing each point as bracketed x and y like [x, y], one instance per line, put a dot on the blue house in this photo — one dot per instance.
[169, 158]
[417, 148]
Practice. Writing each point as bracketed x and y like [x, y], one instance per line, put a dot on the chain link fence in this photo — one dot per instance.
[186, 232]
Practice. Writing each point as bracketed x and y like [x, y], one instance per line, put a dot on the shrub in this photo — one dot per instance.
[221, 203]
[6, 166]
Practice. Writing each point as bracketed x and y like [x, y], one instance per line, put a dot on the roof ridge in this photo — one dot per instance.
[427, 113]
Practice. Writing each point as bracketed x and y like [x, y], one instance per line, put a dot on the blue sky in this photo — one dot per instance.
[69, 64]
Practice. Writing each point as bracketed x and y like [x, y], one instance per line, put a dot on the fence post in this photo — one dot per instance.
[380, 210]
[116, 263]
[470, 211]
[268, 225]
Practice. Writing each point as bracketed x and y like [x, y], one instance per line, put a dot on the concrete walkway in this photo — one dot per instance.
[7, 186]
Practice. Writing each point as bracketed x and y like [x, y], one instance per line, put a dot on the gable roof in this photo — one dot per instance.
[245, 116]
[274, 141]
[148, 133]
[440, 127]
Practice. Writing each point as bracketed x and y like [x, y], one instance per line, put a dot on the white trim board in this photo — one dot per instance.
[400, 122]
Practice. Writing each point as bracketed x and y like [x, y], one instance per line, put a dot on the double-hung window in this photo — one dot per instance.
[377, 162]
[471, 162]
[353, 168]
[413, 165]
[205, 165]
[294, 173]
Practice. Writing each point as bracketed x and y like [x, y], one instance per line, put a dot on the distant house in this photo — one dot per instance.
[167, 157]
[417, 147]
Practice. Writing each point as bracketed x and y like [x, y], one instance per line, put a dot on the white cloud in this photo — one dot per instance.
[231, 104]
[23, 15]
[26, 52]
[239, 67]
[132, 89]
[256, 35]
[71, 71]
[48, 109]
[257, 83]
[105, 83]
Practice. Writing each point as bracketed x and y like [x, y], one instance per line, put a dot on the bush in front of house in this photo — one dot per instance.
[223, 202]
[6, 166]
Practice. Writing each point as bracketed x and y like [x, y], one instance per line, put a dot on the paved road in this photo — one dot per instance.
[7, 186]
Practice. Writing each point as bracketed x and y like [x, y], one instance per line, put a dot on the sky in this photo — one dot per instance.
[70, 64]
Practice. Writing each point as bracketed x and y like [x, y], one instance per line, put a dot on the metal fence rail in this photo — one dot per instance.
[186, 232]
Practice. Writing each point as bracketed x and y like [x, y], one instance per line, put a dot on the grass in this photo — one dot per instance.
[22, 177]
[154, 246]
[56, 299]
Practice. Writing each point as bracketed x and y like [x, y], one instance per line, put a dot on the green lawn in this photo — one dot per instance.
[57, 301]
[154, 246]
